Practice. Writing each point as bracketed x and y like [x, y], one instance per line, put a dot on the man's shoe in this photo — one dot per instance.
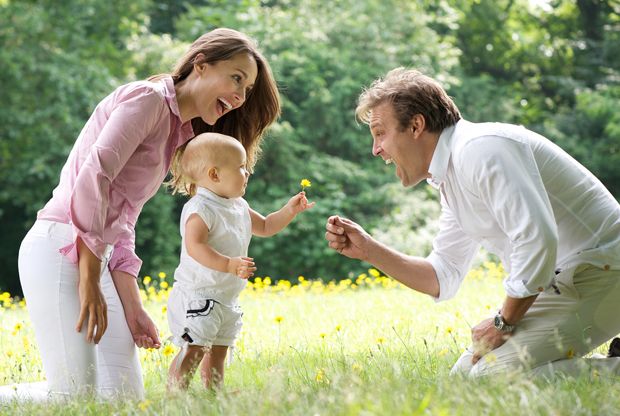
[614, 348]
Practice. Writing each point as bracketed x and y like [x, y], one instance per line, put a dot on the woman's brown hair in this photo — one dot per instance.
[262, 104]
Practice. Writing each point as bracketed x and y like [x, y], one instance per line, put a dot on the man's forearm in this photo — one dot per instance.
[414, 272]
[514, 308]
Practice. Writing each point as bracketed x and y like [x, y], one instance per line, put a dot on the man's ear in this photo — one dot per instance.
[417, 125]
[213, 174]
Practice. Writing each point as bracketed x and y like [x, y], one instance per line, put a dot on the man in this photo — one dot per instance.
[553, 224]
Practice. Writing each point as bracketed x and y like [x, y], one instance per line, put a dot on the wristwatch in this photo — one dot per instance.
[501, 325]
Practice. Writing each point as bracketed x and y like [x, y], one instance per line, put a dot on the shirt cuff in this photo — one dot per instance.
[447, 287]
[125, 260]
[71, 252]
[519, 289]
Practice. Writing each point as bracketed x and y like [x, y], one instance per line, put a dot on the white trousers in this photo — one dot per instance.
[558, 329]
[73, 366]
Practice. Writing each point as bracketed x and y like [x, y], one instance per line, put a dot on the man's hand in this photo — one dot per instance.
[299, 203]
[243, 267]
[347, 237]
[485, 338]
[143, 330]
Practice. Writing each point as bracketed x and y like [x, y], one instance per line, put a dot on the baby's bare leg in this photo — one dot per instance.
[183, 366]
[212, 366]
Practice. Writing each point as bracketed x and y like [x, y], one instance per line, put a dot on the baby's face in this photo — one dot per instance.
[233, 174]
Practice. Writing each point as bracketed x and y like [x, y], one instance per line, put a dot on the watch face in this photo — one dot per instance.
[499, 324]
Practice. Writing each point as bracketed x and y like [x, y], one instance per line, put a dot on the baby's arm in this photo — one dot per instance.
[196, 233]
[276, 221]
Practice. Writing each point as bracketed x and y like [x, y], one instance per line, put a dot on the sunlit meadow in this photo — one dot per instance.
[365, 345]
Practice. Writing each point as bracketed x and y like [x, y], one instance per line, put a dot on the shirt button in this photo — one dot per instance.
[541, 289]
[606, 267]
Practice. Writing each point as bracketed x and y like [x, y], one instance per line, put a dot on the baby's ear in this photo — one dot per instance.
[213, 174]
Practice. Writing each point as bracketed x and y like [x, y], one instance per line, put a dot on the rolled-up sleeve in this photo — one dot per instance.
[452, 254]
[508, 181]
[130, 122]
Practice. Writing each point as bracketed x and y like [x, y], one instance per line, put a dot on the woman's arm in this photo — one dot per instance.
[93, 308]
[142, 328]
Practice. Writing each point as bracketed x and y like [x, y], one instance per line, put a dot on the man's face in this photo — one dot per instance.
[401, 148]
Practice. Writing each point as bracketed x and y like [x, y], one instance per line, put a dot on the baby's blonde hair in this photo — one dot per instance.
[198, 155]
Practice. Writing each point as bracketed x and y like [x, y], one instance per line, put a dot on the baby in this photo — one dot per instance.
[216, 227]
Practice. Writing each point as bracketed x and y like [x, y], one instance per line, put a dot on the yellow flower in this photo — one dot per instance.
[322, 335]
[321, 377]
[279, 319]
[305, 183]
[380, 340]
[162, 275]
[146, 280]
[18, 326]
[164, 309]
[168, 350]
[338, 328]
[374, 272]
[442, 352]
[163, 285]
[143, 405]
[449, 330]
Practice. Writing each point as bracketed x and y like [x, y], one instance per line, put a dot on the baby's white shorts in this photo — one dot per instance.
[201, 320]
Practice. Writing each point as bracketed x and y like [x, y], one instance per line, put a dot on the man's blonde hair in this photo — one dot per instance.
[410, 92]
[201, 153]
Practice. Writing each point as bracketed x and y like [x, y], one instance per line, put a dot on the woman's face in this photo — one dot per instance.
[222, 87]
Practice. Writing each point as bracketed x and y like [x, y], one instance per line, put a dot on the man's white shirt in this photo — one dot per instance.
[522, 198]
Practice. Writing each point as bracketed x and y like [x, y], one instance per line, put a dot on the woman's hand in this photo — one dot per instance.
[93, 308]
[143, 330]
[92, 303]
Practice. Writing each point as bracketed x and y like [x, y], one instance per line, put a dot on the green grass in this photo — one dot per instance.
[366, 351]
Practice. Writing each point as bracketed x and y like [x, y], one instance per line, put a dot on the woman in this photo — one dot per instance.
[77, 264]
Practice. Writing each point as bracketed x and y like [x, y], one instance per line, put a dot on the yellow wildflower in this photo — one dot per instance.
[279, 319]
[146, 280]
[143, 405]
[168, 350]
[163, 285]
[162, 275]
[374, 272]
[338, 328]
[380, 340]
[322, 335]
[449, 330]
[305, 183]
[164, 309]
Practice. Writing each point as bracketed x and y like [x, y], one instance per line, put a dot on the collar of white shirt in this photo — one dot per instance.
[441, 156]
[212, 196]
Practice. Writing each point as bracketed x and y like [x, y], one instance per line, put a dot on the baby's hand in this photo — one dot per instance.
[299, 203]
[243, 267]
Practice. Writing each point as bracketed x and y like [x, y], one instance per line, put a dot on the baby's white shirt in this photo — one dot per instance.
[230, 231]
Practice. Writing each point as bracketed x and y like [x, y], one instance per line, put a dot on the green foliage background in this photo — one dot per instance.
[551, 65]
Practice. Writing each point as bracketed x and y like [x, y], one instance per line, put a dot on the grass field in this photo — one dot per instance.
[363, 346]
